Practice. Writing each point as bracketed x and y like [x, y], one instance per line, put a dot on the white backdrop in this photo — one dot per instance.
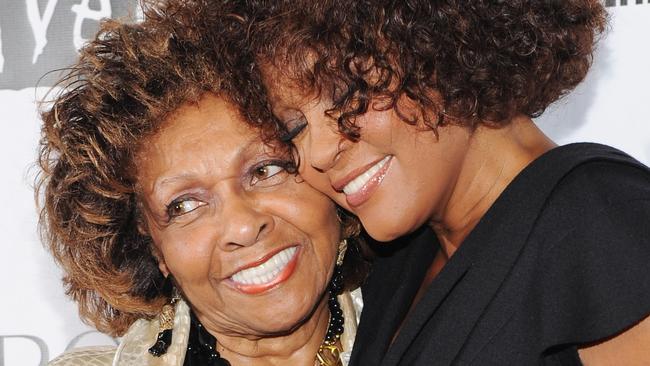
[37, 322]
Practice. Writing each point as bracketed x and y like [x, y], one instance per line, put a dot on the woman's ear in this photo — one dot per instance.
[163, 268]
[160, 259]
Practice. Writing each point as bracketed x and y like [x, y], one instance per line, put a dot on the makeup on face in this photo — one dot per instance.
[250, 244]
[360, 184]
[395, 177]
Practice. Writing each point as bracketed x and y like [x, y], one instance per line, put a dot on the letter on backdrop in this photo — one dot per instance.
[39, 342]
[83, 12]
[39, 24]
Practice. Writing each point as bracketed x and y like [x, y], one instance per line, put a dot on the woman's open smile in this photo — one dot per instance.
[266, 273]
[361, 183]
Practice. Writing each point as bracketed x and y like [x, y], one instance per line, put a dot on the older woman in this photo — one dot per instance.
[418, 113]
[178, 226]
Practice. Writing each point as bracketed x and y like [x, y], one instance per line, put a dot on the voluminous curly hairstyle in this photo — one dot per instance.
[124, 84]
[472, 61]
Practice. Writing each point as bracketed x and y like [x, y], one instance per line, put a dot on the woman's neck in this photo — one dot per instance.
[495, 156]
[296, 348]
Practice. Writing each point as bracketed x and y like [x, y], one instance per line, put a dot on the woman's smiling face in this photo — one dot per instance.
[394, 178]
[251, 246]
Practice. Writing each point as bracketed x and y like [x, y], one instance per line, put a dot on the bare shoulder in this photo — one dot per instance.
[630, 347]
[86, 356]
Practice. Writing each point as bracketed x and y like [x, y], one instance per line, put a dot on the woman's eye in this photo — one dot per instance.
[269, 173]
[182, 206]
[294, 128]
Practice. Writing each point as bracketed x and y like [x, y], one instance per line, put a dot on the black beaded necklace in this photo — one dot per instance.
[201, 347]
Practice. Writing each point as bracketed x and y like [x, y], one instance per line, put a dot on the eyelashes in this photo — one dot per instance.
[293, 131]
[182, 206]
[267, 173]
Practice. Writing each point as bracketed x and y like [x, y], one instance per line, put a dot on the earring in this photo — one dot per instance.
[166, 321]
[336, 282]
[343, 247]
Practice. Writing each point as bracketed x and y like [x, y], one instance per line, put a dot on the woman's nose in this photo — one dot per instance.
[244, 223]
[325, 143]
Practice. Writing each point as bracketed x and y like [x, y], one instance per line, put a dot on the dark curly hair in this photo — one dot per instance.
[464, 62]
[124, 84]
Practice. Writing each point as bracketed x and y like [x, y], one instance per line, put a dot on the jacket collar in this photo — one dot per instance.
[133, 349]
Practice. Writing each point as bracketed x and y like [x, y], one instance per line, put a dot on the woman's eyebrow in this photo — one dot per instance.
[161, 182]
[247, 149]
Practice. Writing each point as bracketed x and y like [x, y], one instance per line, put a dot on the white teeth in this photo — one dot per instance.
[267, 271]
[355, 185]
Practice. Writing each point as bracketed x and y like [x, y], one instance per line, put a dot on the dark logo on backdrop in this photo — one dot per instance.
[624, 2]
[38, 36]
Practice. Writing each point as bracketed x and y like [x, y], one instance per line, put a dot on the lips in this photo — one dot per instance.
[262, 275]
[360, 184]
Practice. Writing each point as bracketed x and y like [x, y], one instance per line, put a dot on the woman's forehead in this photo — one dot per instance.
[210, 127]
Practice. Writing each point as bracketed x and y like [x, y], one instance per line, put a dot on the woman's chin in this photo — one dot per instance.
[284, 313]
[279, 323]
[383, 231]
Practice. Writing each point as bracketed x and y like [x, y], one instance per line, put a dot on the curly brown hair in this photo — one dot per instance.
[124, 84]
[465, 62]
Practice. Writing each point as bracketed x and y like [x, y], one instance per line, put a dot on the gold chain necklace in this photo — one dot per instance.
[329, 355]
[329, 351]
